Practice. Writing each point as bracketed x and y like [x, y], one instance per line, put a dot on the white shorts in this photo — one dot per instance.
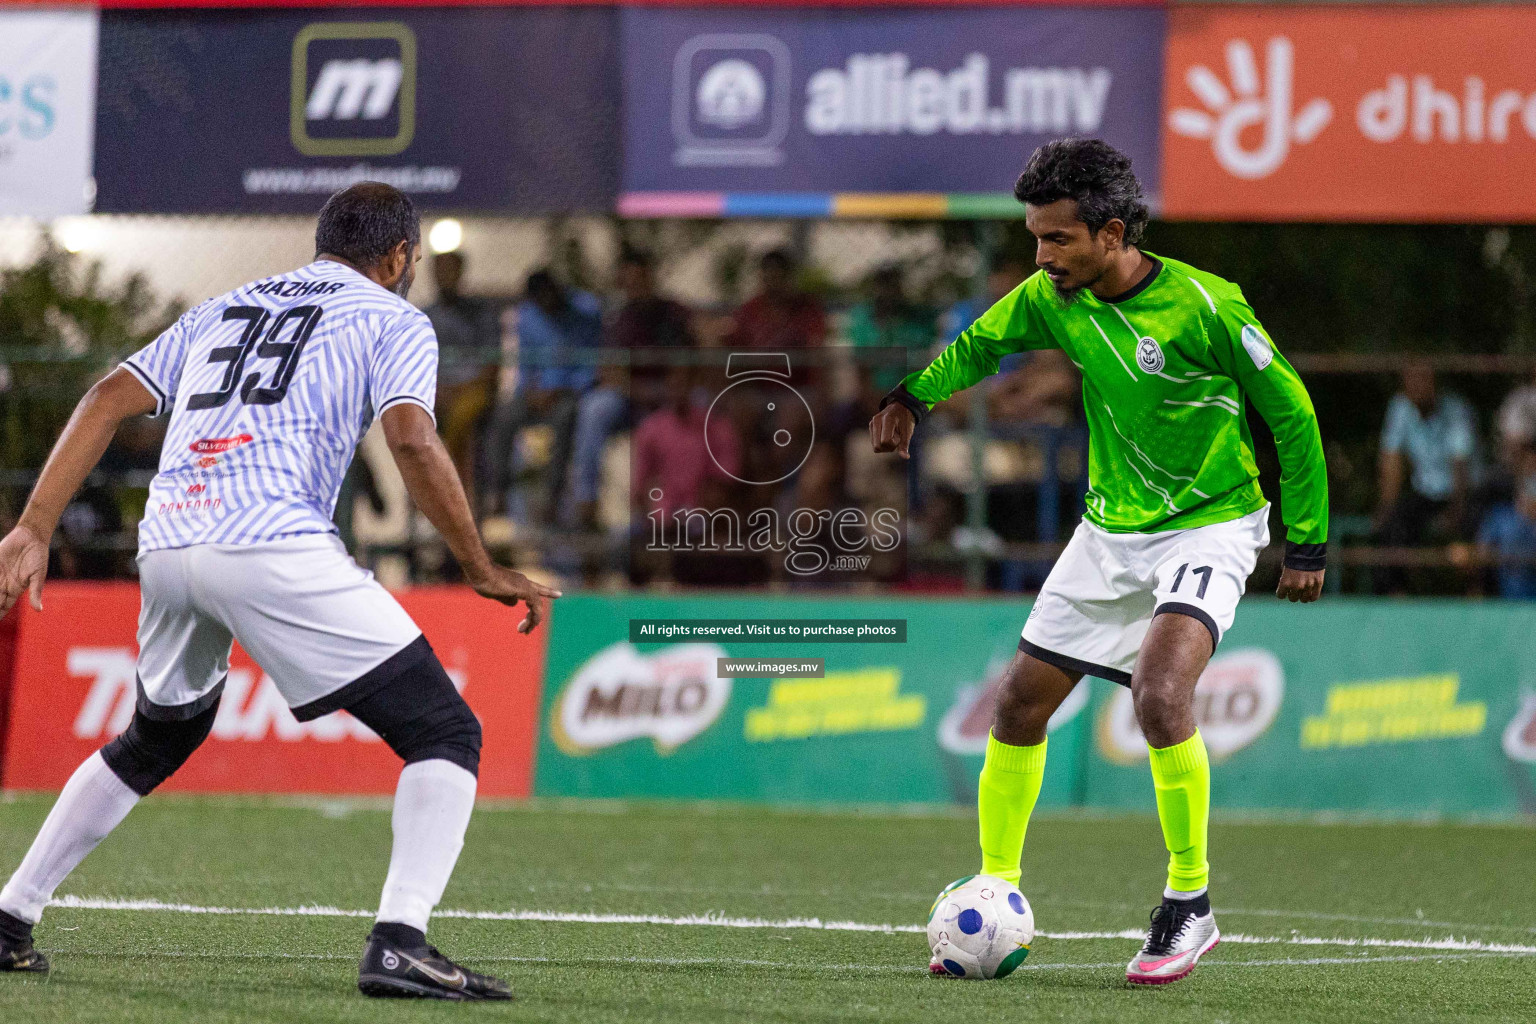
[321, 626]
[1099, 600]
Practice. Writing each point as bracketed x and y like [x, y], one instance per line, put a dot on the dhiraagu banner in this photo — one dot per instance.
[1382, 707]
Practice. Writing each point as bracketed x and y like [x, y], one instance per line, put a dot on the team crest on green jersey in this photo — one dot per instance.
[1149, 355]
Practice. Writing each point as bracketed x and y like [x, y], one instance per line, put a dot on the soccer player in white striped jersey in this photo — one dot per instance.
[269, 389]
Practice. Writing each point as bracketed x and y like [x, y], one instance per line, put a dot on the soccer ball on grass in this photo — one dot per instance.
[980, 927]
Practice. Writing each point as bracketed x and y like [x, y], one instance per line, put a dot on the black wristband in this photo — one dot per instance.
[913, 404]
[1306, 557]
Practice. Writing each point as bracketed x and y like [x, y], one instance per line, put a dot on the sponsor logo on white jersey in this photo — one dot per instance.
[1236, 701]
[671, 696]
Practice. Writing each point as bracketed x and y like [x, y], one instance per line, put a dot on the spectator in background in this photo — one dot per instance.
[671, 464]
[1517, 424]
[1508, 532]
[887, 320]
[646, 325]
[1428, 466]
[558, 332]
[469, 352]
[1007, 273]
[779, 316]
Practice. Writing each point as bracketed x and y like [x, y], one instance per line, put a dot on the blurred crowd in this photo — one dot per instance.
[625, 434]
[1441, 486]
[581, 418]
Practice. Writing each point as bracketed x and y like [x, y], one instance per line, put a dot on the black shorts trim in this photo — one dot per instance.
[1087, 668]
[1199, 614]
[403, 660]
[177, 712]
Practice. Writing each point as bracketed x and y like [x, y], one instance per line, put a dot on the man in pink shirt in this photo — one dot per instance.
[670, 455]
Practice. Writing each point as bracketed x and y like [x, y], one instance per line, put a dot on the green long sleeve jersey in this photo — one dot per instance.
[1167, 368]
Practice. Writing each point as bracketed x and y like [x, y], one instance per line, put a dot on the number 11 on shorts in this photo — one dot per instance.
[1204, 572]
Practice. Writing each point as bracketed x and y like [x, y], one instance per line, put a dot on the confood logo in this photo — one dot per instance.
[251, 709]
[966, 725]
[1236, 700]
[620, 694]
[1248, 99]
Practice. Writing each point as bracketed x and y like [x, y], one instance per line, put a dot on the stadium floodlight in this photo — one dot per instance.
[446, 235]
[78, 234]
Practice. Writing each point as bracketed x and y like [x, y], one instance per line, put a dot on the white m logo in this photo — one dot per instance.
[347, 88]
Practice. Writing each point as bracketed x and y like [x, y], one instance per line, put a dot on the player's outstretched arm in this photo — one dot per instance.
[434, 485]
[1011, 325]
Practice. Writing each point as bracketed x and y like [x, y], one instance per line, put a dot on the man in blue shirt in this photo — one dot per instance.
[558, 333]
[1429, 466]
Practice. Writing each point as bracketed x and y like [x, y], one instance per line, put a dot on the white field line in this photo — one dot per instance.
[1449, 944]
[670, 961]
[771, 892]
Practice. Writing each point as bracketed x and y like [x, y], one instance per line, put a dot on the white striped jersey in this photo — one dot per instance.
[269, 389]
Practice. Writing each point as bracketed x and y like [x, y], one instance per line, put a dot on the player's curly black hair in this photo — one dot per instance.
[1092, 172]
[364, 222]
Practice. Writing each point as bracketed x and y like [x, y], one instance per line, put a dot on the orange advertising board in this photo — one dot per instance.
[1350, 113]
[73, 689]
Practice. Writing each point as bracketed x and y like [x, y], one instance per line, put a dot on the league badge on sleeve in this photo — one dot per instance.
[1257, 346]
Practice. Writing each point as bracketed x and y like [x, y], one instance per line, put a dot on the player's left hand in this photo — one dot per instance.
[23, 567]
[501, 584]
[1296, 585]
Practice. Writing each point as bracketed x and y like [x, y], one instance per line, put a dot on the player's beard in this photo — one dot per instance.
[407, 278]
[1066, 297]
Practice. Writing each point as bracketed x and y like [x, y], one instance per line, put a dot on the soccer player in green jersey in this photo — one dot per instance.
[1175, 519]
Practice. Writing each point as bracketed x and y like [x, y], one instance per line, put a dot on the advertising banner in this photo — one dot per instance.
[1362, 706]
[913, 111]
[74, 687]
[47, 111]
[271, 111]
[1401, 113]
[887, 722]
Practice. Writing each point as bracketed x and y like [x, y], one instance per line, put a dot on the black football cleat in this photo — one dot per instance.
[392, 970]
[16, 952]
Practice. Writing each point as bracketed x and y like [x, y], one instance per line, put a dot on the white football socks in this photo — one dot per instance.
[433, 803]
[92, 804]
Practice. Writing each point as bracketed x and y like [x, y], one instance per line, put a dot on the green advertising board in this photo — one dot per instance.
[1394, 707]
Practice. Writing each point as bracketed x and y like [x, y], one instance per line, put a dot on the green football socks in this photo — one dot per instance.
[1005, 798]
[1182, 776]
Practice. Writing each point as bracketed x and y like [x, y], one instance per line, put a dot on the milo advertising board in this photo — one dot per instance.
[1396, 708]
[626, 719]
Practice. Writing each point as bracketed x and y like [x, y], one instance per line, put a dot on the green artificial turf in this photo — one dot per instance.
[1082, 873]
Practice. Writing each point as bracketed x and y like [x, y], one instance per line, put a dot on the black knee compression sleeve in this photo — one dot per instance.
[151, 749]
[422, 717]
